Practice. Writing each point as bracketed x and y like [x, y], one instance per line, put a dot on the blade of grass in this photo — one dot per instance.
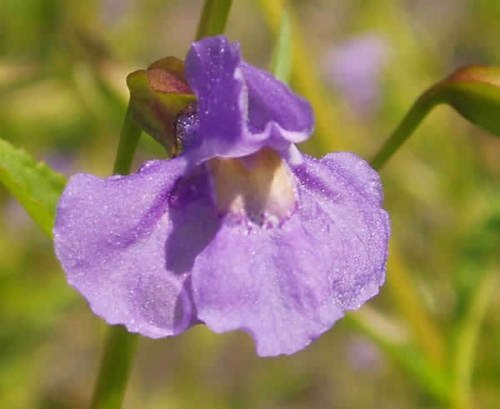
[466, 337]
[281, 63]
[304, 77]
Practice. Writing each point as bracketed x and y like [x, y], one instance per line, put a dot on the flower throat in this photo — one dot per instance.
[259, 187]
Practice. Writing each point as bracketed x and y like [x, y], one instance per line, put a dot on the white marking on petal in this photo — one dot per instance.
[260, 187]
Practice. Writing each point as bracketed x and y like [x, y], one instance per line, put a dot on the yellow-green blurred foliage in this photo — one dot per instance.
[62, 97]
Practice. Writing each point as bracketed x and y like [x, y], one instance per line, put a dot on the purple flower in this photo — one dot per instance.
[355, 68]
[240, 231]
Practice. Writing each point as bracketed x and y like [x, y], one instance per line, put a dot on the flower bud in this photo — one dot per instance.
[157, 96]
[474, 91]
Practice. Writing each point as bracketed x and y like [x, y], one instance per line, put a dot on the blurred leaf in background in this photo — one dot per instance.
[62, 98]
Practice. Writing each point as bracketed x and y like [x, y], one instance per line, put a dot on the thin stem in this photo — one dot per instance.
[213, 18]
[115, 368]
[403, 291]
[129, 138]
[466, 341]
[120, 345]
[419, 110]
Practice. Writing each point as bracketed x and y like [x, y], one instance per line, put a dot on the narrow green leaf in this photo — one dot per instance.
[35, 185]
[281, 64]
[305, 79]
[466, 338]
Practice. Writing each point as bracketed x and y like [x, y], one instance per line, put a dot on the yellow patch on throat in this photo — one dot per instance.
[260, 187]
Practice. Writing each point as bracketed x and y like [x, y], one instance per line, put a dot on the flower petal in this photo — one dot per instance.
[340, 204]
[270, 285]
[288, 285]
[240, 108]
[211, 67]
[111, 236]
[273, 109]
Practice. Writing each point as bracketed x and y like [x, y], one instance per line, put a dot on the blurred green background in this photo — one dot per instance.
[62, 98]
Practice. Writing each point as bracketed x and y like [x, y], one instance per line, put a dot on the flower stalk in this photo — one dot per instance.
[115, 368]
[129, 138]
[213, 18]
[417, 113]
[120, 345]
[473, 92]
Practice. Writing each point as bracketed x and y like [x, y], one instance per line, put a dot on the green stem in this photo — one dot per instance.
[115, 369]
[419, 110]
[129, 138]
[466, 341]
[213, 18]
[120, 345]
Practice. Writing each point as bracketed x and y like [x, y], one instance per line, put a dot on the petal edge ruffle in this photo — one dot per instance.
[286, 286]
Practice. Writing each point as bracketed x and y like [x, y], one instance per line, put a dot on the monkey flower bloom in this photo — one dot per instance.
[240, 231]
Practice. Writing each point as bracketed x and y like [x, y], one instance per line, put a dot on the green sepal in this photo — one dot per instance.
[474, 92]
[157, 96]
